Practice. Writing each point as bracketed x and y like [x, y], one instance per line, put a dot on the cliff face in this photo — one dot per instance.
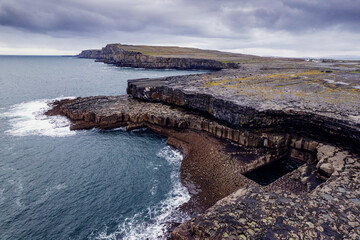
[259, 147]
[93, 54]
[115, 54]
[262, 112]
[264, 102]
[294, 205]
[321, 102]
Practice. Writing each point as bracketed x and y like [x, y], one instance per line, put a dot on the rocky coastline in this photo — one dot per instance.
[231, 122]
[118, 55]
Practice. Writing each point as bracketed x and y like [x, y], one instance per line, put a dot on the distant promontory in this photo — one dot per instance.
[164, 57]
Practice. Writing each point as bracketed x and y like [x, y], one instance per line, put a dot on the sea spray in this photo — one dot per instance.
[29, 118]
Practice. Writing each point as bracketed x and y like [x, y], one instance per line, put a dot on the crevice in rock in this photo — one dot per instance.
[269, 173]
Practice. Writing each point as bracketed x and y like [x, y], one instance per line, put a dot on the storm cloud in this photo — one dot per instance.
[211, 23]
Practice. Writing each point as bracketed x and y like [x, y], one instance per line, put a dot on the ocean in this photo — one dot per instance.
[86, 184]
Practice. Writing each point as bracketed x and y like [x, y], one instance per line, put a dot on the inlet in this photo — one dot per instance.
[269, 173]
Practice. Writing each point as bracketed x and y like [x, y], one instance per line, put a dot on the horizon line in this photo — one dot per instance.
[336, 57]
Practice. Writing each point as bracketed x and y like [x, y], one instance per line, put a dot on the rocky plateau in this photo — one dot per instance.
[228, 123]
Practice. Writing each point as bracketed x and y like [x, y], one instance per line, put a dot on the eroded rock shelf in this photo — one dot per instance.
[231, 122]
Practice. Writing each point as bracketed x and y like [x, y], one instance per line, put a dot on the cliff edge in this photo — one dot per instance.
[232, 123]
[157, 57]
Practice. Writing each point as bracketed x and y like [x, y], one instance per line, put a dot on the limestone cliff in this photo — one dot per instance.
[93, 54]
[265, 99]
[118, 55]
[269, 109]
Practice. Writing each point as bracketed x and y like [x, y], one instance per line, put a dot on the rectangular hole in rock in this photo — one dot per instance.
[267, 174]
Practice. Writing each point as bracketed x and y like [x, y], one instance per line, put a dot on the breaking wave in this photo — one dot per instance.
[154, 222]
[28, 119]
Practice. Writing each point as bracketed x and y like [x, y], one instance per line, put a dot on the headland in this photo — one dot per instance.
[249, 114]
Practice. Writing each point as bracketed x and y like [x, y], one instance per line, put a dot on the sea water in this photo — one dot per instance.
[89, 184]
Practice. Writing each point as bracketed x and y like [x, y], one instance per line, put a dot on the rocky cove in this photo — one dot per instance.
[231, 122]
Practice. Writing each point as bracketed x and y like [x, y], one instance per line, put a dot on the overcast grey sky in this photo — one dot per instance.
[297, 28]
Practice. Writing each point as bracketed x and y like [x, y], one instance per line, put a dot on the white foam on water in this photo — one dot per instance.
[153, 190]
[28, 119]
[123, 129]
[139, 130]
[161, 214]
[118, 129]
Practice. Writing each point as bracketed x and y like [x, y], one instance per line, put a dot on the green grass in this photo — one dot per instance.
[184, 52]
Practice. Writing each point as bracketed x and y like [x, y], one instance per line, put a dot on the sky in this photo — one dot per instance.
[286, 28]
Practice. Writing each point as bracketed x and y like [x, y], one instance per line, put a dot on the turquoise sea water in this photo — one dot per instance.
[91, 184]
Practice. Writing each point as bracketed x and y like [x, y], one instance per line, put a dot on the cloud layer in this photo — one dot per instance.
[245, 24]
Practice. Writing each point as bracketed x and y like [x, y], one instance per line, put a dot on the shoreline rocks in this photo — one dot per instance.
[212, 171]
[230, 122]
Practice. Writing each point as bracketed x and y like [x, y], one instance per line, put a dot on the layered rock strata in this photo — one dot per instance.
[329, 212]
[117, 55]
[216, 172]
[296, 98]
[230, 122]
[110, 112]
[313, 102]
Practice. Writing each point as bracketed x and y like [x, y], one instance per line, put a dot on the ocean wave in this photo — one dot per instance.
[28, 119]
[159, 216]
